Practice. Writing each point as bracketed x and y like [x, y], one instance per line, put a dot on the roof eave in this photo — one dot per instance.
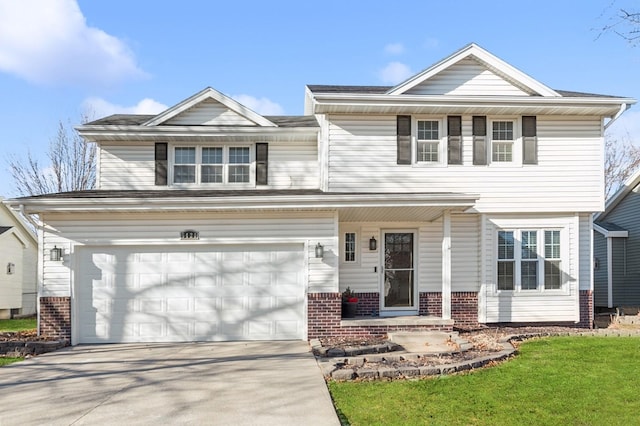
[280, 202]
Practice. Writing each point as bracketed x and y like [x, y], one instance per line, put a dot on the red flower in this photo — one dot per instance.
[352, 300]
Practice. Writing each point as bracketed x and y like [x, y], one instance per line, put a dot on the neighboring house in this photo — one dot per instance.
[463, 195]
[18, 265]
[617, 248]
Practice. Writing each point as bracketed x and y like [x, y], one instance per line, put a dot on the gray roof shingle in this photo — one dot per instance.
[4, 229]
[138, 119]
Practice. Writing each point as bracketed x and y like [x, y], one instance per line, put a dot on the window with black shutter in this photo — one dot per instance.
[529, 140]
[454, 139]
[404, 139]
[262, 163]
[161, 152]
[479, 140]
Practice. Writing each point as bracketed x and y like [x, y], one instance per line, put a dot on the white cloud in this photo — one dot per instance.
[394, 48]
[394, 73]
[262, 106]
[98, 107]
[49, 42]
[627, 127]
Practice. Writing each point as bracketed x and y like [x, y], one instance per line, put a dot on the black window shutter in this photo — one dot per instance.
[479, 140]
[161, 163]
[262, 163]
[529, 140]
[404, 139]
[454, 139]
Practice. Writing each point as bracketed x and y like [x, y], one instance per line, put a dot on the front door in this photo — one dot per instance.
[398, 275]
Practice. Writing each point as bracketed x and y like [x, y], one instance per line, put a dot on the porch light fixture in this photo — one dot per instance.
[373, 244]
[56, 254]
[319, 251]
[11, 267]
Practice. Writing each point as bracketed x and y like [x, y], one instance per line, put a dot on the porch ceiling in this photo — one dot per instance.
[396, 214]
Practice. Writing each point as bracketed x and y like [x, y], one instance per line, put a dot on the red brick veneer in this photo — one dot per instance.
[586, 309]
[464, 308]
[55, 317]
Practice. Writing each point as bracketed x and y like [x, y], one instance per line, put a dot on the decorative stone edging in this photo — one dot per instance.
[21, 349]
[335, 368]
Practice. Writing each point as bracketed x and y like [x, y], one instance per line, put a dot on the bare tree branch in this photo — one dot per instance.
[624, 23]
[72, 165]
[622, 159]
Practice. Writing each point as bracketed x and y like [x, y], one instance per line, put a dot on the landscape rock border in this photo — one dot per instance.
[22, 349]
[349, 368]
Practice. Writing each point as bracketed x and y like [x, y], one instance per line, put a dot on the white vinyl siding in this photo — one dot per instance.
[157, 228]
[566, 178]
[292, 165]
[211, 113]
[467, 78]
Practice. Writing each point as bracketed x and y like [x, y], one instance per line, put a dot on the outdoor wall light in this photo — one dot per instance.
[319, 250]
[11, 268]
[56, 254]
[373, 244]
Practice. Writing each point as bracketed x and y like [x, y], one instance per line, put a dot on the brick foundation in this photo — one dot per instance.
[55, 317]
[368, 303]
[464, 308]
[586, 309]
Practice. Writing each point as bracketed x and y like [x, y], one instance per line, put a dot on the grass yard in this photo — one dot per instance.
[17, 324]
[560, 380]
[6, 360]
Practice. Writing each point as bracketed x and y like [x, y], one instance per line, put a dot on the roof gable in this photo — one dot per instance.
[209, 108]
[10, 220]
[472, 71]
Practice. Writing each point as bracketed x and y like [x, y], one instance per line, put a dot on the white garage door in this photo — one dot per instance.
[166, 294]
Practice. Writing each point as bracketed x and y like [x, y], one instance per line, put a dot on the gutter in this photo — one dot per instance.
[623, 108]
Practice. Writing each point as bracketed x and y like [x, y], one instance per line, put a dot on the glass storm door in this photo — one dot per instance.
[398, 275]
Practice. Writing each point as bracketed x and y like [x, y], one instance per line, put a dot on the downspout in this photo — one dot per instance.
[623, 108]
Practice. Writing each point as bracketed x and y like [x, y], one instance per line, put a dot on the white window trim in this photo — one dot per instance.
[225, 166]
[358, 247]
[564, 261]
[516, 151]
[442, 140]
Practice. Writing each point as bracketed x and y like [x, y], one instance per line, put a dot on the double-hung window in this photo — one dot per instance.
[502, 140]
[428, 141]
[529, 260]
[211, 164]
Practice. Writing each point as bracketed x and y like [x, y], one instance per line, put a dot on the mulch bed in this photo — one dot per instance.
[23, 336]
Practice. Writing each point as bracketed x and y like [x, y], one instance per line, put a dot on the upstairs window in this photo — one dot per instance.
[212, 165]
[502, 141]
[184, 169]
[428, 141]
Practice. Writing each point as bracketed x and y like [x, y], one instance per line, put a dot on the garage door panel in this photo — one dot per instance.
[127, 294]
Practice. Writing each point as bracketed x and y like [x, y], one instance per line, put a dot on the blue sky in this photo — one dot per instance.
[62, 58]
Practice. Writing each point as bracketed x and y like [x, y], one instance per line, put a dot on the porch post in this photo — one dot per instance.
[446, 265]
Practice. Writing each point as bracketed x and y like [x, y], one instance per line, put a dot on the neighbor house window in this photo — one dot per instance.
[212, 165]
[502, 141]
[529, 260]
[428, 141]
[350, 247]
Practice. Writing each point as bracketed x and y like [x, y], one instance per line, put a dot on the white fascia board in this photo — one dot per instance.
[210, 93]
[484, 56]
[289, 202]
[610, 234]
[95, 133]
[20, 222]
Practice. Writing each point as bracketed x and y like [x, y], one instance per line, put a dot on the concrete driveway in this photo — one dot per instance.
[237, 383]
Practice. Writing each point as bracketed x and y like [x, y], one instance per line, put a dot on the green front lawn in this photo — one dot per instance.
[7, 360]
[561, 380]
[17, 324]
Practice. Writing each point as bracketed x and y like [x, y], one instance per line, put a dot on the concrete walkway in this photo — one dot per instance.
[237, 383]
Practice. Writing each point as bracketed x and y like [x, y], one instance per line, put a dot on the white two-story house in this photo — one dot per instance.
[461, 196]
